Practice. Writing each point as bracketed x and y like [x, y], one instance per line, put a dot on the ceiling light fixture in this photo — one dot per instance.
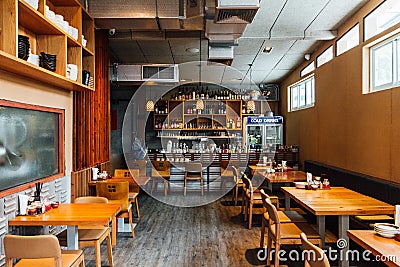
[192, 50]
[267, 49]
[307, 56]
[150, 105]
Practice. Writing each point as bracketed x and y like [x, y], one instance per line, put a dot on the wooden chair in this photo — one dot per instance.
[285, 233]
[41, 250]
[139, 165]
[160, 173]
[227, 174]
[121, 175]
[237, 178]
[117, 193]
[317, 257]
[193, 172]
[92, 237]
[252, 197]
[284, 216]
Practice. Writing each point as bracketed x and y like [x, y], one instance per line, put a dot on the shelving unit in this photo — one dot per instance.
[18, 17]
[217, 115]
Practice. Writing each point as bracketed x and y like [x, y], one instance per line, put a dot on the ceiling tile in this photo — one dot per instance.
[248, 46]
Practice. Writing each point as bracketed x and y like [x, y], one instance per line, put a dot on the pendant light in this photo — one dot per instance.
[149, 105]
[199, 104]
[250, 105]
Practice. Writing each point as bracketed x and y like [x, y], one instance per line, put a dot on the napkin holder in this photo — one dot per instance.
[309, 178]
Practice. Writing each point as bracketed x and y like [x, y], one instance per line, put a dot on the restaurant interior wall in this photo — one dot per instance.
[15, 88]
[346, 128]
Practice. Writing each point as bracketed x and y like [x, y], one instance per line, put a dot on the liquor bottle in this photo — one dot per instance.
[238, 123]
[207, 95]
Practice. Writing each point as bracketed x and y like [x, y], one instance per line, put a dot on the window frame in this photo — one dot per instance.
[296, 86]
[322, 55]
[395, 82]
[344, 35]
[365, 38]
[304, 74]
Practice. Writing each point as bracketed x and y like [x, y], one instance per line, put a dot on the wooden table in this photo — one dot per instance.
[287, 178]
[255, 168]
[338, 201]
[387, 249]
[74, 216]
[140, 181]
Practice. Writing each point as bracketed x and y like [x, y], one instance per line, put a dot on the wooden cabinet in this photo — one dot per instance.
[182, 115]
[20, 18]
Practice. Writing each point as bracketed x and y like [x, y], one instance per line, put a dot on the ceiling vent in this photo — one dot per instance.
[157, 73]
[236, 11]
[160, 73]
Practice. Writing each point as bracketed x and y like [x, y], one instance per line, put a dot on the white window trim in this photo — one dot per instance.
[348, 49]
[396, 55]
[289, 88]
[318, 59]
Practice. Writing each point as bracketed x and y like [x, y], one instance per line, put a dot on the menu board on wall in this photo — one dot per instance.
[29, 145]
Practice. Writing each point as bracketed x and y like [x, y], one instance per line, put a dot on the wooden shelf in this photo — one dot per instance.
[87, 52]
[21, 67]
[35, 21]
[198, 137]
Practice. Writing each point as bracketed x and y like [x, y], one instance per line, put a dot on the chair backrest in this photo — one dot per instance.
[314, 256]
[126, 173]
[160, 168]
[194, 167]
[32, 247]
[273, 219]
[115, 192]
[237, 175]
[139, 165]
[82, 200]
[247, 184]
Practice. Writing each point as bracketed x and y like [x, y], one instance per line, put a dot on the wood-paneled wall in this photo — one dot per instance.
[92, 114]
[81, 178]
[346, 128]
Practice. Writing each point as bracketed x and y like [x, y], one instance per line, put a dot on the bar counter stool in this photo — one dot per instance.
[160, 173]
[193, 172]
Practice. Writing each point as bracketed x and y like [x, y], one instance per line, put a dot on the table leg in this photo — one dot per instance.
[72, 237]
[343, 227]
[321, 229]
[114, 227]
[287, 202]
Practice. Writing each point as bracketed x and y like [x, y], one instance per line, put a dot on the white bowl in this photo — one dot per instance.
[300, 185]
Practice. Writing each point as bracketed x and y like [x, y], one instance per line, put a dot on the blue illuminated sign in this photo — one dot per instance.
[265, 120]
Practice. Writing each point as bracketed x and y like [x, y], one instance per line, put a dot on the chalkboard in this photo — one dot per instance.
[29, 143]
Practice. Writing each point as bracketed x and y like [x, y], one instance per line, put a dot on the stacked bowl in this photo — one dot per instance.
[386, 229]
[47, 61]
[72, 72]
[23, 47]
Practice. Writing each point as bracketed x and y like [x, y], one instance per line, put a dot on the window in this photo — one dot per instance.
[348, 40]
[383, 17]
[326, 56]
[310, 67]
[302, 94]
[385, 64]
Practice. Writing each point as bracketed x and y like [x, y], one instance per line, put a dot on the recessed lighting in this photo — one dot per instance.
[267, 49]
[192, 50]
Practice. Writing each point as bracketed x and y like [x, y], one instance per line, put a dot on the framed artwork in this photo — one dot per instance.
[270, 91]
